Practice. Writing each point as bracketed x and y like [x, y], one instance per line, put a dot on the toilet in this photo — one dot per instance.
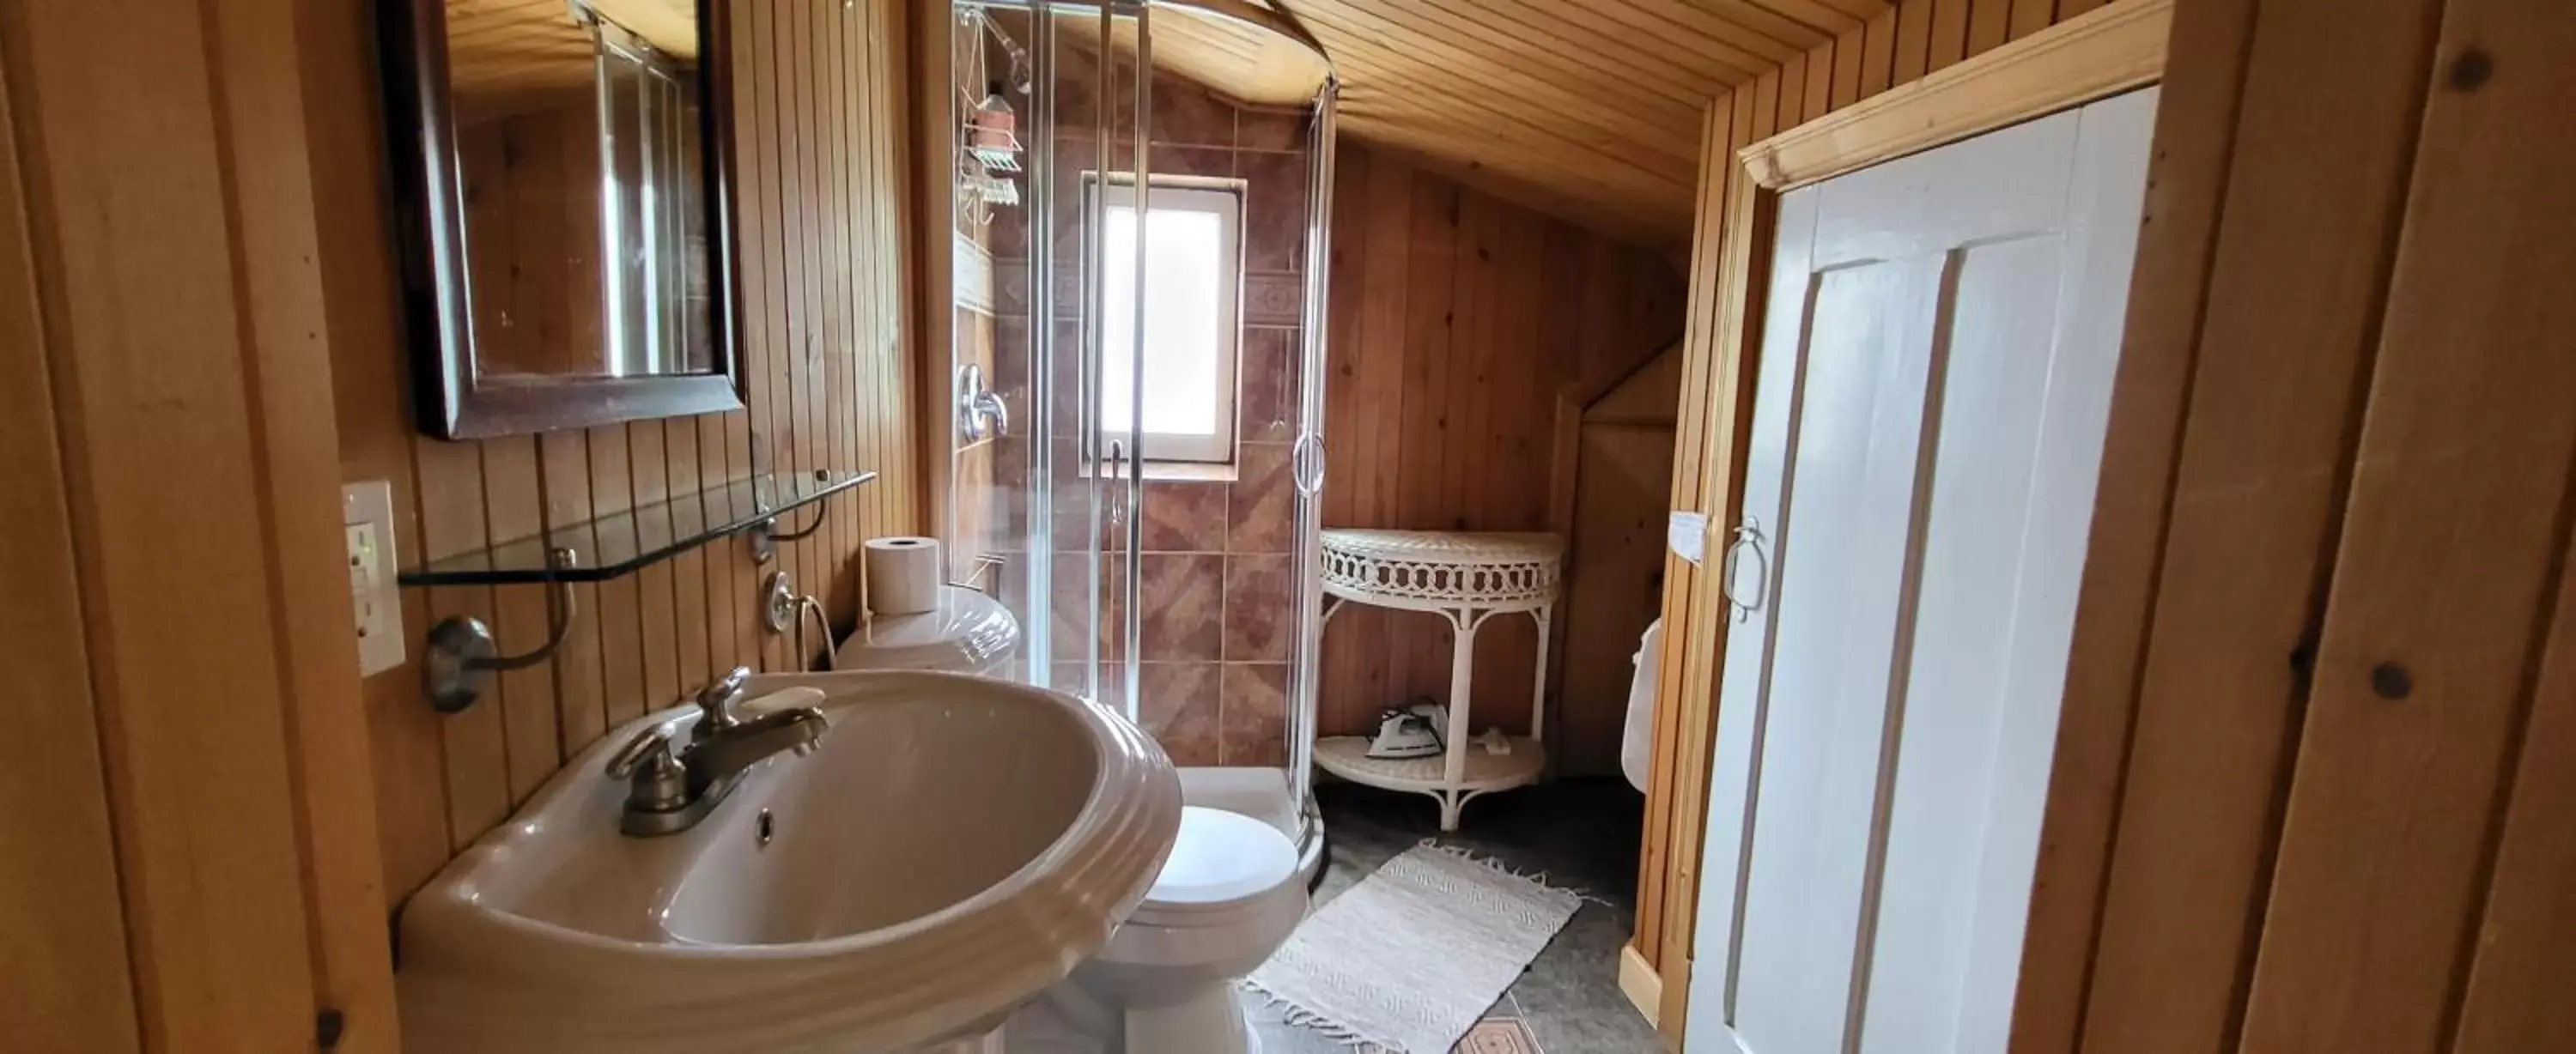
[1227, 898]
[967, 633]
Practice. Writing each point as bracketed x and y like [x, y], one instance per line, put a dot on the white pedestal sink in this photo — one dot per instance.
[955, 846]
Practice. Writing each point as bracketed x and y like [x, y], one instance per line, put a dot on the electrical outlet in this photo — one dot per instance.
[367, 516]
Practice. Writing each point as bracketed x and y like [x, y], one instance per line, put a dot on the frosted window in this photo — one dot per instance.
[1186, 399]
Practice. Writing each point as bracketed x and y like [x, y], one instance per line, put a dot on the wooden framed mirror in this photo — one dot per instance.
[562, 172]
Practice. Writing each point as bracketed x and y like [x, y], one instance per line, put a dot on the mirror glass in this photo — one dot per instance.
[581, 188]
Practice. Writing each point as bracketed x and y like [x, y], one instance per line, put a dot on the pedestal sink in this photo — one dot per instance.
[953, 847]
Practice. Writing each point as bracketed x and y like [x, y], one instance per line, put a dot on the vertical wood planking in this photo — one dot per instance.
[1913, 41]
[357, 276]
[1792, 101]
[2030, 16]
[758, 258]
[621, 603]
[1820, 82]
[581, 711]
[70, 987]
[1989, 23]
[1848, 52]
[450, 494]
[688, 571]
[768, 276]
[657, 598]
[2196, 126]
[1459, 319]
[2311, 215]
[815, 179]
[513, 507]
[1896, 45]
[1878, 57]
[2451, 551]
[2528, 936]
[1949, 33]
[169, 311]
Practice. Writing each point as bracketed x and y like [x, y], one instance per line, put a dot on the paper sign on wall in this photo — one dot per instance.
[1688, 536]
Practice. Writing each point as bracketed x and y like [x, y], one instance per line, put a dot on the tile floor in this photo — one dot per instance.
[1582, 833]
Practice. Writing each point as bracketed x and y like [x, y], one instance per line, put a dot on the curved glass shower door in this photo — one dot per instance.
[1168, 503]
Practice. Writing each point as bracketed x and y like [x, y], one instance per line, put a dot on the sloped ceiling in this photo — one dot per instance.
[1586, 108]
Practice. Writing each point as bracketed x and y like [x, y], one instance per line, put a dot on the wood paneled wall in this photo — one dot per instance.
[1457, 320]
[2309, 791]
[188, 861]
[1896, 47]
[820, 112]
[2312, 762]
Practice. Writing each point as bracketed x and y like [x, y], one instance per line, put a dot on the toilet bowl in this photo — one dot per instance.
[1228, 897]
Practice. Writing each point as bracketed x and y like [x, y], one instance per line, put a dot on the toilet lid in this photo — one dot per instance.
[1221, 858]
[968, 633]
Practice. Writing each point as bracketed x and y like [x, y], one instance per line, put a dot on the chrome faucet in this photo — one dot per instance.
[668, 793]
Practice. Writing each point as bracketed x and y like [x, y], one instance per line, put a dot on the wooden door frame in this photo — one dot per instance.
[2111, 50]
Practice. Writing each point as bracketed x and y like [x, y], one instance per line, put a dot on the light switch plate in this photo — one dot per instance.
[367, 518]
[1688, 535]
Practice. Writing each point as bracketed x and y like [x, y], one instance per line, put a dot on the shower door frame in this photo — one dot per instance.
[1093, 447]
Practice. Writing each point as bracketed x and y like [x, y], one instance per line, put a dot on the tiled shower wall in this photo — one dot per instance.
[1214, 565]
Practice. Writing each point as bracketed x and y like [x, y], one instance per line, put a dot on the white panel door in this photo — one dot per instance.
[1930, 402]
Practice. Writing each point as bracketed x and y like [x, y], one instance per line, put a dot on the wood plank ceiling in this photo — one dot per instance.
[1586, 108]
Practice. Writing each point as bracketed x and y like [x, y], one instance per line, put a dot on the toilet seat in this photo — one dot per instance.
[1226, 899]
[1223, 866]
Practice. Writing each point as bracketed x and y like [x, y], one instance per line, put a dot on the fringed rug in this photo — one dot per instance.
[1407, 960]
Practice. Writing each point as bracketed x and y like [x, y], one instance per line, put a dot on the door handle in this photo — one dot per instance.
[1306, 464]
[1747, 539]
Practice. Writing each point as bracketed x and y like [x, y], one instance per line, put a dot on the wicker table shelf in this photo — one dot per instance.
[1467, 579]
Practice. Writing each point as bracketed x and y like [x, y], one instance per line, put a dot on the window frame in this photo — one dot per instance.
[1223, 198]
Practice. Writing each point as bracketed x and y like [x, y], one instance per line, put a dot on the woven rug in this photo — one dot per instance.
[1497, 1035]
[1408, 960]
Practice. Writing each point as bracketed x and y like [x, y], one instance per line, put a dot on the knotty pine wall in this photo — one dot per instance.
[1898, 47]
[1457, 318]
[819, 111]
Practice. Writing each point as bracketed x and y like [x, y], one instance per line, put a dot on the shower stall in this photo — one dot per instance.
[1138, 210]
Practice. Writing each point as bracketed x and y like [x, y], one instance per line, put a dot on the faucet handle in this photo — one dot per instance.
[715, 703]
[639, 749]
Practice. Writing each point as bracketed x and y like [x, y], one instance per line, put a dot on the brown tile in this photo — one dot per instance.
[1077, 87]
[1179, 706]
[1273, 298]
[1255, 718]
[1186, 113]
[1262, 513]
[1185, 517]
[1167, 160]
[1270, 128]
[1072, 613]
[1183, 598]
[1006, 367]
[1074, 495]
[1064, 390]
[1266, 408]
[1274, 207]
[1111, 689]
[1260, 606]
[1011, 287]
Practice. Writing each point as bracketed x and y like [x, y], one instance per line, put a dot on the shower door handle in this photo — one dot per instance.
[1306, 464]
[1110, 469]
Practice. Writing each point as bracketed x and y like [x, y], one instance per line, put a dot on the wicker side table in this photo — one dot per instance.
[1466, 578]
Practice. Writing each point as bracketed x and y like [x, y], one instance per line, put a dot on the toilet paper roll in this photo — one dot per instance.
[903, 575]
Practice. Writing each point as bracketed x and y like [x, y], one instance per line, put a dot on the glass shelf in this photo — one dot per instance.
[623, 542]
